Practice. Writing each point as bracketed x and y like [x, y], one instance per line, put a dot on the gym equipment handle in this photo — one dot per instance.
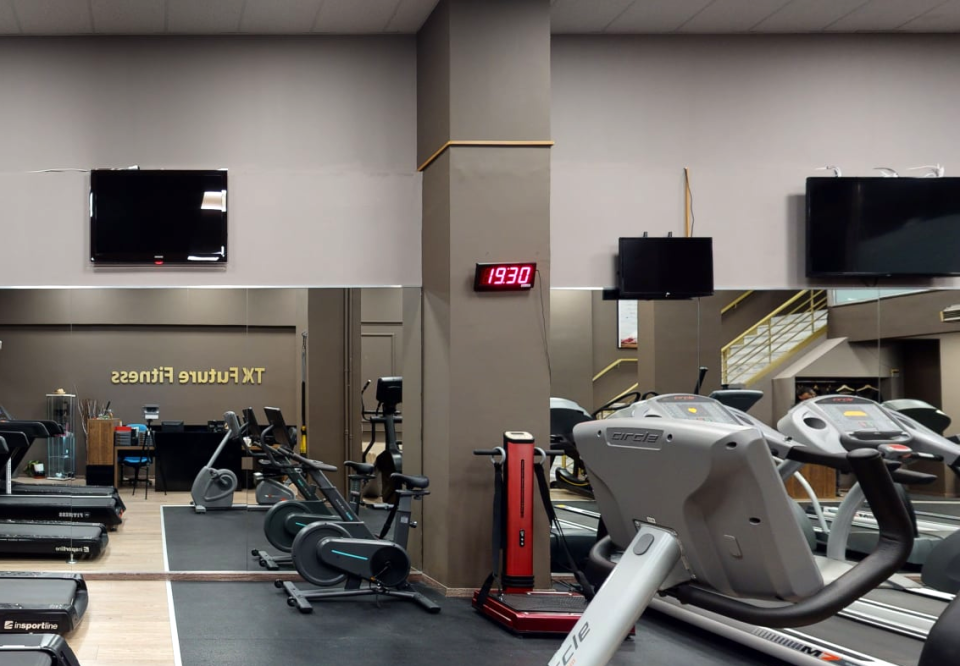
[840, 462]
[892, 549]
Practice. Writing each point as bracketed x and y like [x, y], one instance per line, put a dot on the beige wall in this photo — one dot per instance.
[950, 379]
[318, 134]
[752, 117]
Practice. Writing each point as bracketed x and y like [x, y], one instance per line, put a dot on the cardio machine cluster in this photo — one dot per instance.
[321, 533]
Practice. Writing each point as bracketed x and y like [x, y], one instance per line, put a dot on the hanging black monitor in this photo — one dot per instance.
[878, 227]
[158, 217]
[665, 268]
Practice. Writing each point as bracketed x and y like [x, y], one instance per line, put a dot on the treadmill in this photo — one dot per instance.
[36, 650]
[886, 627]
[103, 509]
[41, 602]
[697, 515]
[840, 423]
[44, 538]
[36, 430]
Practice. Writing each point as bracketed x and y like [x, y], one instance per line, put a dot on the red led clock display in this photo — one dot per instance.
[504, 277]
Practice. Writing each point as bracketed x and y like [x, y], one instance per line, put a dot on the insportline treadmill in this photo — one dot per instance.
[104, 509]
[37, 430]
[41, 602]
[886, 627]
[36, 650]
[26, 538]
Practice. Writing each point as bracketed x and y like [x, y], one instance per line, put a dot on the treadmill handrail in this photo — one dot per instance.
[892, 550]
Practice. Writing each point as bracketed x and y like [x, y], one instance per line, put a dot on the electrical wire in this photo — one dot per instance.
[693, 217]
[543, 319]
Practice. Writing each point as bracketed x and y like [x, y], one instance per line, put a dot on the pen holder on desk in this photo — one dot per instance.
[123, 436]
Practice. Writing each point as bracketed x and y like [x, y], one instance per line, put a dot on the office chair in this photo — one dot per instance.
[143, 461]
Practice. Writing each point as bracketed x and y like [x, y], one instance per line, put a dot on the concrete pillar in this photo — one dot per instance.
[483, 76]
[333, 401]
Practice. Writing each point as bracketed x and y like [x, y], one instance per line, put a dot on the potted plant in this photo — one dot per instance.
[35, 468]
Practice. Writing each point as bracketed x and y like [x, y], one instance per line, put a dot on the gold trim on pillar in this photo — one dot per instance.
[501, 144]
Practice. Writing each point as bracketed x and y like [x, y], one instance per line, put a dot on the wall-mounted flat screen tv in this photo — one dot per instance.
[158, 217]
[879, 227]
[665, 268]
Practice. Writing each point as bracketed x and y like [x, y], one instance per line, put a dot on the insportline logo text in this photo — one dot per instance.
[12, 625]
[72, 549]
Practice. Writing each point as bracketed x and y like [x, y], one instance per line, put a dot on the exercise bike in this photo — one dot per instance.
[214, 488]
[339, 548]
[390, 460]
[270, 488]
[320, 499]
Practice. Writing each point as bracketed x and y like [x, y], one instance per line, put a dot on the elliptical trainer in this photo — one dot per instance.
[214, 488]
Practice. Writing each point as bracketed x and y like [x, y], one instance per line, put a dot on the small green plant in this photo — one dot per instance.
[35, 468]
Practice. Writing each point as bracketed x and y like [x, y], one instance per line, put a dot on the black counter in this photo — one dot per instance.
[181, 455]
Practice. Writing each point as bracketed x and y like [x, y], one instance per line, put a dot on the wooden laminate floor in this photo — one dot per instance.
[128, 622]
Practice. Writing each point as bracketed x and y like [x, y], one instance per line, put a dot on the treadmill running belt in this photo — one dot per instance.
[37, 592]
[867, 640]
[26, 659]
[545, 603]
[912, 602]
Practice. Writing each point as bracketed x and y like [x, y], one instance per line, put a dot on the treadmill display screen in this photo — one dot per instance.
[853, 417]
[693, 408]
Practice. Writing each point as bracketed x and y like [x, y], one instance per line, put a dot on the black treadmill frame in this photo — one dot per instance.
[46, 618]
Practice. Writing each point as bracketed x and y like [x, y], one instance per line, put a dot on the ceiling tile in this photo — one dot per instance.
[8, 20]
[585, 16]
[808, 15]
[945, 18]
[53, 17]
[209, 17]
[732, 15]
[279, 16]
[127, 17]
[884, 15]
[656, 15]
[411, 15]
[354, 16]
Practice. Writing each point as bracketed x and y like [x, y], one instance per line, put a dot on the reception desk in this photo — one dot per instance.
[181, 455]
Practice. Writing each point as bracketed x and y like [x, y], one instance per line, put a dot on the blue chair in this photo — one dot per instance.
[142, 461]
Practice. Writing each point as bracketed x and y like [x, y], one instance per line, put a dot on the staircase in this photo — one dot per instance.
[789, 328]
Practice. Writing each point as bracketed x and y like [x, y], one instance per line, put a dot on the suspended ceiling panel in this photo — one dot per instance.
[295, 17]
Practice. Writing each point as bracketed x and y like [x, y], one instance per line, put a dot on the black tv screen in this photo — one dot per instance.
[158, 217]
[665, 268]
[879, 227]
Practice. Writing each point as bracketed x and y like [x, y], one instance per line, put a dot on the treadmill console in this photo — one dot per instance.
[685, 406]
[840, 423]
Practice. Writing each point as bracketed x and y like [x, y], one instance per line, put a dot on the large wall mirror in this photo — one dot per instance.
[140, 381]
[880, 343]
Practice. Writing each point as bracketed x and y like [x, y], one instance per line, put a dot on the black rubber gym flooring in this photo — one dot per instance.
[222, 540]
[250, 623]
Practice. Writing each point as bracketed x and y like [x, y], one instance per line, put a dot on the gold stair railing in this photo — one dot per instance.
[735, 302]
[613, 366]
[780, 344]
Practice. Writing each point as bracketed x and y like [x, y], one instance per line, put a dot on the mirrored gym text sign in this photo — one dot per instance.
[170, 375]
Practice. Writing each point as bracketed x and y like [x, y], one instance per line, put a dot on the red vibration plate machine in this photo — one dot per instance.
[521, 609]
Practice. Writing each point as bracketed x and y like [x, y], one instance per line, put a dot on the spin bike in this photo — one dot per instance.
[321, 500]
